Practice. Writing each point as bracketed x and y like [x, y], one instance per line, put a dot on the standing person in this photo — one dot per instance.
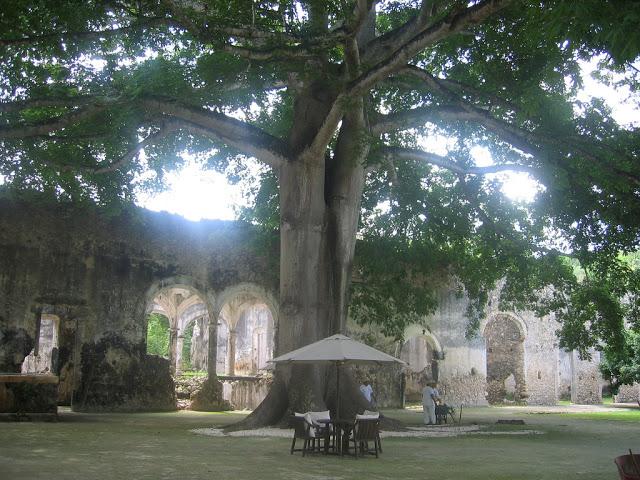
[367, 391]
[430, 396]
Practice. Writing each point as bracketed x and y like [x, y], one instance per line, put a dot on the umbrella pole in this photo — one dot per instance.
[337, 390]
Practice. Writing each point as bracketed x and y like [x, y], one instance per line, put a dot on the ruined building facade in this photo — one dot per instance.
[513, 358]
[77, 287]
[93, 278]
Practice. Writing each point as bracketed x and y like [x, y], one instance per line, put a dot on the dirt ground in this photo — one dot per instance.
[565, 442]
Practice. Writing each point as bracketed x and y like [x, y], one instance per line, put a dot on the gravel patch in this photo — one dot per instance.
[411, 432]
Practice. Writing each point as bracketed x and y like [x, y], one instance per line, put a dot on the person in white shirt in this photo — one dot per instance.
[367, 391]
[430, 396]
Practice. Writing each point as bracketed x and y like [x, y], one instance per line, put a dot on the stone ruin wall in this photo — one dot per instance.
[549, 374]
[586, 379]
[541, 359]
[96, 273]
[462, 362]
[505, 359]
[628, 394]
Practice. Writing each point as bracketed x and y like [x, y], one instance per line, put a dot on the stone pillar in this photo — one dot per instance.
[231, 352]
[586, 381]
[173, 348]
[179, 346]
[212, 351]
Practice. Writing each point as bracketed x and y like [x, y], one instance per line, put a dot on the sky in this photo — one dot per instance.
[196, 194]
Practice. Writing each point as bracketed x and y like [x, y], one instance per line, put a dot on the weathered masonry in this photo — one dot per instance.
[77, 287]
[91, 279]
[514, 358]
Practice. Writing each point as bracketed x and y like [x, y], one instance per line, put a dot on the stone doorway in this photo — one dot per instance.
[422, 354]
[179, 315]
[178, 330]
[505, 360]
[245, 339]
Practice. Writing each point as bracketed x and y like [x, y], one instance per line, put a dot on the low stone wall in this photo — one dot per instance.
[245, 393]
[28, 393]
[119, 376]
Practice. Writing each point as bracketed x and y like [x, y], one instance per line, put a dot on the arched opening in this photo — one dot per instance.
[244, 346]
[158, 332]
[193, 342]
[44, 356]
[505, 360]
[245, 337]
[179, 314]
[564, 375]
[172, 311]
[421, 353]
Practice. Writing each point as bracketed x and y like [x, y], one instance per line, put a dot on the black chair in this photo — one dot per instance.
[364, 433]
[441, 414]
[369, 412]
[310, 434]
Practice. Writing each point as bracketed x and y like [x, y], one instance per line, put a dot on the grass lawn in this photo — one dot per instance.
[573, 445]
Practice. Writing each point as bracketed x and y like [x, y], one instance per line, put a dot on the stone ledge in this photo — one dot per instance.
[28, 378]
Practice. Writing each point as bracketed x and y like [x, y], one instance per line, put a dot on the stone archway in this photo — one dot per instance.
[193, 343]
[181, 302]
[422, 353]
[188, 311]
[504, 334]
[246, 335]
[246, 331]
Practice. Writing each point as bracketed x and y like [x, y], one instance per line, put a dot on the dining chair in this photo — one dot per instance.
[365, 430]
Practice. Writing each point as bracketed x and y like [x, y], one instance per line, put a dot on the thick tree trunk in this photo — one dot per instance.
[319, 211]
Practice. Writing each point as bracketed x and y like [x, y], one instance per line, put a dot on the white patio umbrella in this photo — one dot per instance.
[340, 350]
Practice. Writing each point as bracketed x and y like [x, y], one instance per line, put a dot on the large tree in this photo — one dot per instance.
[350, 105]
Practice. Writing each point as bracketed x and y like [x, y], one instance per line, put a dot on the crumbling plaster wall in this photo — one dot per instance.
[106, 269]
[462, 370]
[548, 373]
[504, 339]
[541, 359]
[586, 384]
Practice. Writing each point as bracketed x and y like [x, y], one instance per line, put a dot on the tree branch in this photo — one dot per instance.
[88, 34]
[167, 128]
[360, 12]
[246, 138]
[329, 125]
[78, 101]
[530, 142]
[447, 164]
[127, 157]
[428, 9]
[398, 53]
[417, 117]
[461, 110]
[237, 134]
[279, 52]
[45, 128]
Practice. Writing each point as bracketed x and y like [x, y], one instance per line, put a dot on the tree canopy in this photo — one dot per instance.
[98, 99]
